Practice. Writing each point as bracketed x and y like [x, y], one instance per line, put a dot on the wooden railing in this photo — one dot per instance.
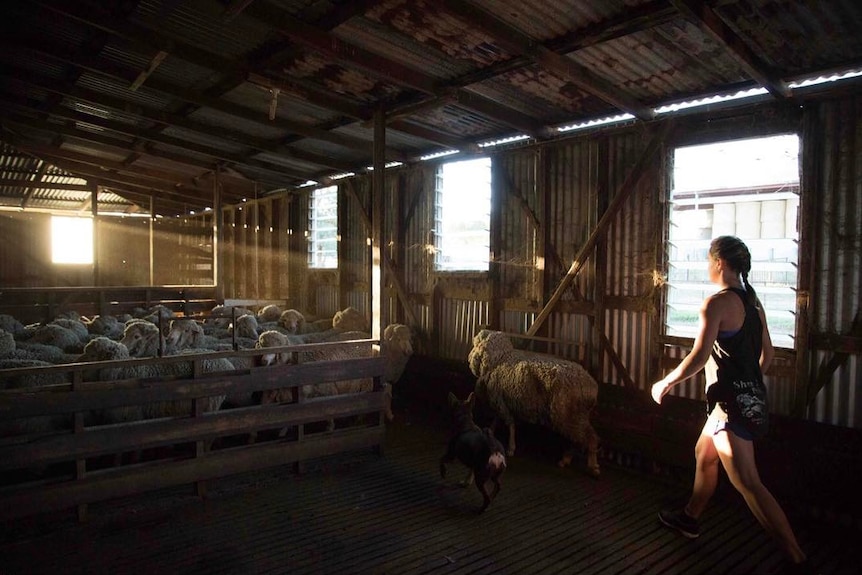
[68, 469]
[31, 305]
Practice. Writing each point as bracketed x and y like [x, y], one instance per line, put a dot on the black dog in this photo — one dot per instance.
[476, 448]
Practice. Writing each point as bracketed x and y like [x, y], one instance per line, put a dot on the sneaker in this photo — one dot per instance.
[680, 521]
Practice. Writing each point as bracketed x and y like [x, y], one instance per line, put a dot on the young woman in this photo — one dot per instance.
[734, 347]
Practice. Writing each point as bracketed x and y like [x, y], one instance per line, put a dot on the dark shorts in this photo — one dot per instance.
[718, 422]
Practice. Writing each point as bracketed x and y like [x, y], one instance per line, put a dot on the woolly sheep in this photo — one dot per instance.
[538, 389]
[292, 321]
[104, 349]
[396, 348]
[222, 316]
[349, 319]
[277, 339]
[76, 326]
[269, 313]
[7, 344]
[245, 326]
[11, 325]
[58, 336]
[143, 339]
[106, 325]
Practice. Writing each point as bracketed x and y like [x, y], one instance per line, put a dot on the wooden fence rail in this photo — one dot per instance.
[85, 462]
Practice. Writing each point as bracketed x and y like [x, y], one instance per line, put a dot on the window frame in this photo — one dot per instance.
[439, 236]
[780, 337]
[327, 258]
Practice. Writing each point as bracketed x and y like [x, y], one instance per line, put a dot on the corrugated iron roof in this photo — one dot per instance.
[152, 99]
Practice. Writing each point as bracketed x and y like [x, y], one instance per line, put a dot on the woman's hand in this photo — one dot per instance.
[659, 390]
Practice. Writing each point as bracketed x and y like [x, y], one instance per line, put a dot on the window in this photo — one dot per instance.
[323, 229]
[463, 215]
[746, 188]
[71, 240]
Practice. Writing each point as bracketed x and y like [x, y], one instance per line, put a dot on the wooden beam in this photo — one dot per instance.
[604, 223]
[517, 42]
[709, 21]
[154, 63]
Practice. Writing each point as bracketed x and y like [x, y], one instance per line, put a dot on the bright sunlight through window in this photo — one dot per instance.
[463, 215]
[746, 188]
[323, 228]
[71, 240]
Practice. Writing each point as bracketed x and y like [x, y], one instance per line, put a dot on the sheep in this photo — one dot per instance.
[7, 344]
[349, 319]
[221, 316]
[143, 339]
[274, 338]
[536, 388]
[292, 321]
[75, 325]
[269, 313]
[245, 326]
[9, 324]
[58, 336]
[397, 348]
[106, 325]
[103, 349]
[42, 352]
[187, 333]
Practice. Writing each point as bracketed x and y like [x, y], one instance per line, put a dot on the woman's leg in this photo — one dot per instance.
[705, 472]
[737, 456]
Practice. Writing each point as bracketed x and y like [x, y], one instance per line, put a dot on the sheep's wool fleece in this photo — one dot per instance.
[540, 388]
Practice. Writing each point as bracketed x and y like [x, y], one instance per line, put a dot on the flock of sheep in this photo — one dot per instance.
[517, 385]
[154, 332]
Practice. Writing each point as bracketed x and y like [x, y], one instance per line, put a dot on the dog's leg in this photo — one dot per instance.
[481, 480]
[443, 461]
[468, 480]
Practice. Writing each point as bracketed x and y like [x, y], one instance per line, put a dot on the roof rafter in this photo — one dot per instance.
[567, 69]
[708, 20]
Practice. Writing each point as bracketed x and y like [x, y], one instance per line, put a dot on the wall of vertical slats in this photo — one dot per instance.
[833, 223]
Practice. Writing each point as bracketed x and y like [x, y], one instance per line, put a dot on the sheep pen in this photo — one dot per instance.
[538, 389]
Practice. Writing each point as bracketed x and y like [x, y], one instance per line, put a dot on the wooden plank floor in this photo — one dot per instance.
[392, 514]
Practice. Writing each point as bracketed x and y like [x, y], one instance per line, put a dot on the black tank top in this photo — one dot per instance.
[734, 379]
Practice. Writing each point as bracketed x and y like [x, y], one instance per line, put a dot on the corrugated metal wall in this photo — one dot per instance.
[550, 200]
[835, 130]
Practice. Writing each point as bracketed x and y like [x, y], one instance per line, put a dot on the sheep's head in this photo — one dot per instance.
[399, 337]
[102, 348]
[489, 349]
[245, 326]
[272, 338]
[269, 313]
[184, 333]
[292, 321]
[142, 339]
[349, 319]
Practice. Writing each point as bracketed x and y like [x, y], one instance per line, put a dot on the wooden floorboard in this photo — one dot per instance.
[365, 513]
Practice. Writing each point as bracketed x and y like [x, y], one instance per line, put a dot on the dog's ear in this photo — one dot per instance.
[453, 401]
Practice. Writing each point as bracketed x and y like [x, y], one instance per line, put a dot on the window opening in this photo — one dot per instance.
[323, 228]
[462, 217]
[747, 188]
[71, 240]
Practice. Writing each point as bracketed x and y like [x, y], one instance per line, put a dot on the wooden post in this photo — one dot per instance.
[378, 181]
